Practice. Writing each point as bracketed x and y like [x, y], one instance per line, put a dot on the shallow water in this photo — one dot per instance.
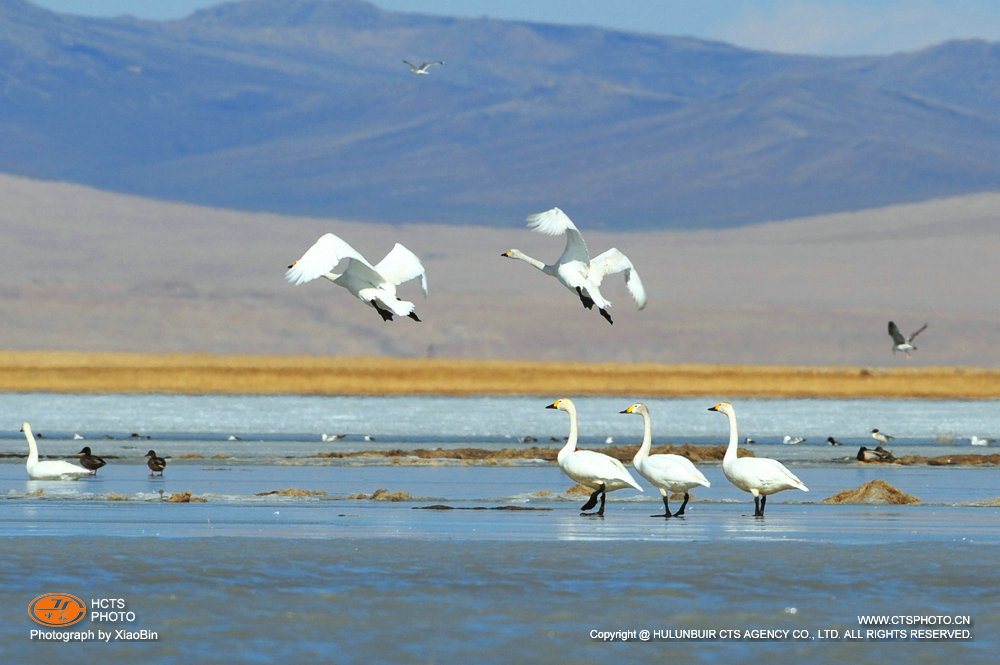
[247, 578]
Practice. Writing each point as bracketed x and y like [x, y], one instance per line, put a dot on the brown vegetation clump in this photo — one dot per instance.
[382, 494]
[952, 460]
[185, 497]
[291, 491]
[873, 492]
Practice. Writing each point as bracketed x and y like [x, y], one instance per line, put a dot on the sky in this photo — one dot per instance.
[818, 27]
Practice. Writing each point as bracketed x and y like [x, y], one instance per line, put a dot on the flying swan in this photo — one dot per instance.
[669, 473]
[758, 475]
[590, 468]
[373, 285]
[900, 343]
[49, 469]
[575, 269]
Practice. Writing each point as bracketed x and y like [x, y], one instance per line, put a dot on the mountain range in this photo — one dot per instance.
[304, 107]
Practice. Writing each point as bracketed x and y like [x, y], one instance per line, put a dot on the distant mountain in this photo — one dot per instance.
[305, 107]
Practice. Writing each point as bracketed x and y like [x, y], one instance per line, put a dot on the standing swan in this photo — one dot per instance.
[669, 473]
[373, 285]
[758, 475]
[49, 469]
[575, 269]
[590, 468]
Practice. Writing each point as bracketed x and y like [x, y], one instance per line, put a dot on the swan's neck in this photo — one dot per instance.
[32, 446]
[521, 256]
[574, 432]
[647, 439]
[730, 455]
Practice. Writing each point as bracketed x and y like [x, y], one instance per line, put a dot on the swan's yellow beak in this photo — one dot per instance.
[292, 266]
[631, 409]
[554, 405]
[507, 254]
[715, 408]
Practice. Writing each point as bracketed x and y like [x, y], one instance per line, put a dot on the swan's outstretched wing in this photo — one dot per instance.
[555, 222]
[321, 258]
[613, 261]
[897, 337]
[401, 265]
[922, 328]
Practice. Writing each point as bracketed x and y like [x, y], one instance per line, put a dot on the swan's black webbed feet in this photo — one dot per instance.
[607, 316]
[413, 315]
[384, 313]
[587, 301]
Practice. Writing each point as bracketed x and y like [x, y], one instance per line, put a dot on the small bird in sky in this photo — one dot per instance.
[424, 66]
[900, 343]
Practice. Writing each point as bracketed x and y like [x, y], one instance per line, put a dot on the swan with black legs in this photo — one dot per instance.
[575, 269]
[594, 470]
[671, 474]
[373, 285]
[761, 476]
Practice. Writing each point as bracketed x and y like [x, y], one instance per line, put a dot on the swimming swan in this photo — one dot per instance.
[373, 285]
[49, 469]
[669, 473]
[575, 269]
[760, 476]
[590, 468]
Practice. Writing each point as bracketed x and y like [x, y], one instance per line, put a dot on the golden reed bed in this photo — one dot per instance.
[28, 371]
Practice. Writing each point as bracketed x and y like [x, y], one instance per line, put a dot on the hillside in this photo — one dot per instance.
[304, 107]
[86, 270]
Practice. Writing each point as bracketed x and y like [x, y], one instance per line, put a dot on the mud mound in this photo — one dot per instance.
[623, 453]
[382, 494]
[949, 460]
[873, 492]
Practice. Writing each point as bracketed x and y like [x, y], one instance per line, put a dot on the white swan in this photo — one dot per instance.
[590, 468]
[760, 476]
[669, 473]
[790, 440]
[49, 469]
[424, 66]
[900, 343]
[979, 441]
[374, 285]
[575, 269]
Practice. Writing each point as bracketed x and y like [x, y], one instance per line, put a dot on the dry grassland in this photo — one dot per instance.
[192, 373]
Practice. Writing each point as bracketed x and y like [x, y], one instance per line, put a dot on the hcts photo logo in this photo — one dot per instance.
[57, 610]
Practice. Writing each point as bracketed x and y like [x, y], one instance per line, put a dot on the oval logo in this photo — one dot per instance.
[57, 609]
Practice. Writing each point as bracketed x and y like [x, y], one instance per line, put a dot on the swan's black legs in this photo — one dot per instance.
[666, 508]
[384, 313]
[607, 316]
[413, 315]
[592, 501]
[680, 513]
[758, 503]
[586, 300]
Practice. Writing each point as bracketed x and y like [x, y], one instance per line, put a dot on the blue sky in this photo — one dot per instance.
[823, 27]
